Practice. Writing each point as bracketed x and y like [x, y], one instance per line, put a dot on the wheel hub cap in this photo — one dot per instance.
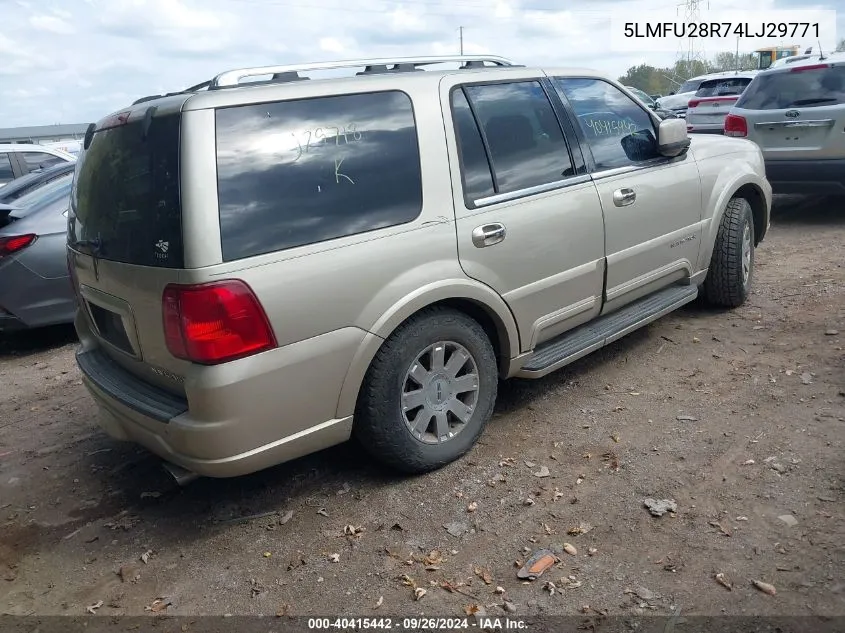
[440, 392]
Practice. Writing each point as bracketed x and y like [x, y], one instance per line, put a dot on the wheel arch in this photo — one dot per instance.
[477, 301]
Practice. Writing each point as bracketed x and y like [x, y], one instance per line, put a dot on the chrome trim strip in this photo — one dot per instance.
[793, 124]
[531, 191]
[233, 77]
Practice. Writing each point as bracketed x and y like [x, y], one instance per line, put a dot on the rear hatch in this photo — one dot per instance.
[709, 112]
[798, 112]
[125, 236]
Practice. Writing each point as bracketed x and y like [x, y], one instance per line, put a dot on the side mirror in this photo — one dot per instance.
[672, 137]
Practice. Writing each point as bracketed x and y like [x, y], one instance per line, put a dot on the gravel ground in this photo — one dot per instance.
[735, 416]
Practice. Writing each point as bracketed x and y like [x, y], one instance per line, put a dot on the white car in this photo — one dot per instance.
[678, 102]
[707, 110]
[19, 159]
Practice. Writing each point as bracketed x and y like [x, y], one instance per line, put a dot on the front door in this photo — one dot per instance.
[652, 205]
[529, 221]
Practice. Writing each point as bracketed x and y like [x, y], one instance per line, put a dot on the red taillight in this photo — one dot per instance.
[15, 243]
[801, 69]
[735, 125]
[693, 103]
[116, 120]
[214, 323]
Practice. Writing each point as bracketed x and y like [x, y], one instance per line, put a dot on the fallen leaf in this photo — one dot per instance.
[472, 507]
[353, 530]
[528, 502]
[419, 592]
[474, 609]
[720, 527]
[379, 602]
[322, 511]
[335, 558]
[287, 516]
[158, 605]
[408, 581]
[267, 554]
[433, 558]
[581, 528]
[615, 438]
[485, 575]
[723, 580]
[543, 472]
[145, 557]
[93, 608]
[765, 587]
[749, 462]
[500, 590]
[570, 549]
[550, 587]
[592, 551]
[507, 461]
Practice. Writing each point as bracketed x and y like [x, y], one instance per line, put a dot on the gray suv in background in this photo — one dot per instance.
[796, 114]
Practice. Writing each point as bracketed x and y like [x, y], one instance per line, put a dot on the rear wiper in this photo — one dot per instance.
[801, 102]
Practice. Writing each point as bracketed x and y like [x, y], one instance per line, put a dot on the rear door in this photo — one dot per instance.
[529, 222]
[798, 112]
[125, 237]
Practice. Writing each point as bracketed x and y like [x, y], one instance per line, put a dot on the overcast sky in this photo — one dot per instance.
[73, 61]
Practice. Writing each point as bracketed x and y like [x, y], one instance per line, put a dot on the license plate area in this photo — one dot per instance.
[112, 320]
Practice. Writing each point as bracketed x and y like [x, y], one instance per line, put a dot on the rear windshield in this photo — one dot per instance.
[691, 85]
[795, 88]
[125, 203]
[723, 87]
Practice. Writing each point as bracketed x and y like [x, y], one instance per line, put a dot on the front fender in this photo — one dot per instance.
[721, 180]
[448, 289]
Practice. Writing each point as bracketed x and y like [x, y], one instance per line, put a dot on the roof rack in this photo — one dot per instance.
[371, 66]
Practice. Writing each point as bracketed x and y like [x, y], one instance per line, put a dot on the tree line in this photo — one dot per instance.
[654, 80]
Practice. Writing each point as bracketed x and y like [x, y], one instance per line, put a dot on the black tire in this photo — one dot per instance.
[380, 422]
[726, 284]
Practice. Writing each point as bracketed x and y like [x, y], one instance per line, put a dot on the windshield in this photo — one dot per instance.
[639, 94]
[810, 86]
[126, 194]
[46, 193]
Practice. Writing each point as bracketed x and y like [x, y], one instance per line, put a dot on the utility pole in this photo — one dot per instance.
[461, 35]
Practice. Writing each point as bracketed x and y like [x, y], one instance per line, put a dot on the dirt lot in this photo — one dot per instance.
[739, 417]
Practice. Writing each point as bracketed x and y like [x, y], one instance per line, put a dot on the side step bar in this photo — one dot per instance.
[577, 343]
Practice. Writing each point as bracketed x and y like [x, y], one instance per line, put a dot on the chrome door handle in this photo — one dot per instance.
[488, 234]
[624, 197]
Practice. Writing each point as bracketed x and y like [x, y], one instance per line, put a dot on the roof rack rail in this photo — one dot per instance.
[232, 78]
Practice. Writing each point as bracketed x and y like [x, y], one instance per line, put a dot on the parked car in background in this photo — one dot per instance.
[678, 102]
[796, 114]
[713, 100]
[233, 315]
[33, 180]
[34, 287]
[19, 159]
[651, 103]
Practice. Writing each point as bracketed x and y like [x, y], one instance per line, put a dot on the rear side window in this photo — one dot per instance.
[6, 173]
[475, 168]
[797, 87]
[40, 160]
[298, 172]
[526, 144]
[723, 87]
[125, 198]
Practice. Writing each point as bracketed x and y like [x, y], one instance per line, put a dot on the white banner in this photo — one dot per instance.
[717, 31]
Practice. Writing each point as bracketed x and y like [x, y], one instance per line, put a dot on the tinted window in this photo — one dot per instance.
[39, 160]
[690, 85]
[475, 168]
[126, 194]
[298, 172]
[525, 140]
[723, 87]
[795, 87]
[6, 173]
[46, 193]
[618, 130]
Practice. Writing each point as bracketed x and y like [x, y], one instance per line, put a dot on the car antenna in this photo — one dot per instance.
[821, 52]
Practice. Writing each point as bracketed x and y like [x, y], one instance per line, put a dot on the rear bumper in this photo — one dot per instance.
[271, 410]
[807, 176]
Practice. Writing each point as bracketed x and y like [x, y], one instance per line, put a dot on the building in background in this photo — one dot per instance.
[67, 138]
